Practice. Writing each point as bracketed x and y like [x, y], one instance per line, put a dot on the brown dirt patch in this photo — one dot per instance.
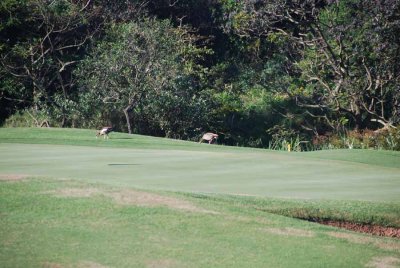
[290, 232]
[362, 228]
[384, 262]
[13, 177]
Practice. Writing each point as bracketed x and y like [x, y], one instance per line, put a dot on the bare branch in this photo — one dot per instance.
[63, 65]
[83, 8]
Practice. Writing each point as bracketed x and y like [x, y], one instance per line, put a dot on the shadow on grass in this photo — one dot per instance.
[123, 164]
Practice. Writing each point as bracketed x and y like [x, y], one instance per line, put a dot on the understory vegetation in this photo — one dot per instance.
[312, 74]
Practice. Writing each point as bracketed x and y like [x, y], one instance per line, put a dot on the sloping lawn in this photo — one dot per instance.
[67, 223]
[68, 199]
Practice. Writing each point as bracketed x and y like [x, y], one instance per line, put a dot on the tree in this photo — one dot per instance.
[350, 63]
[346, 53]
[142, 64]
[41, 43]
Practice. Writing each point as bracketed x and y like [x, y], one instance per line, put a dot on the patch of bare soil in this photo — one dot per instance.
[362, 228]
[384, 262]
[13, 177]
[290, 232]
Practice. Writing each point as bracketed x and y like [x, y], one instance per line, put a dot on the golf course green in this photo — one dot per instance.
[68, 199]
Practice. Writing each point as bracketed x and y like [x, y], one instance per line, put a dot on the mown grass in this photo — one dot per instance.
[84, 137]
[40, 228]
[381, 158]
[363, 212]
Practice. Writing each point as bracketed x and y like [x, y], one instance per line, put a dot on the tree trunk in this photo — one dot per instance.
[64, 120]
[358, 121]
[128, 122]
[127, 111]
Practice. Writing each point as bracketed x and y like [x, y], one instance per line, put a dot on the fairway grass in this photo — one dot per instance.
[67, 223]
[68, 199]
[244, 172]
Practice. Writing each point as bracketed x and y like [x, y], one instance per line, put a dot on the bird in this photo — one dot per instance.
[209, 136]
[104, 132]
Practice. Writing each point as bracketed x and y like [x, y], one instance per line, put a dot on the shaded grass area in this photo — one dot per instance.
[39, 227]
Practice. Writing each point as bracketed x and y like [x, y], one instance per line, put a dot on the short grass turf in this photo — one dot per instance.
[68, 199]
[164, 164]
[68, 223]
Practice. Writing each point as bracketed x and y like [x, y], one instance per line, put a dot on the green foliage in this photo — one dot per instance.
[38, 52]
[347, 66]
[387, 139]
[23, 119]
[286, 140]
[147, 70]
[234, 67]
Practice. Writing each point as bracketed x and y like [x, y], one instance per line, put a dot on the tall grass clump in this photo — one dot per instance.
[291, 144]
[287, 139]
[385, 139]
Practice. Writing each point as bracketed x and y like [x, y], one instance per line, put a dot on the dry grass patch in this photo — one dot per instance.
[13, 177]
[358, 239]
[384, 262]
[287, 231]
[388, 245]
[53, 265]
[77, 192]
[163, 263]
[90, 264]
[82, 264]
[352, 238]
[131, 197]
[246, 219]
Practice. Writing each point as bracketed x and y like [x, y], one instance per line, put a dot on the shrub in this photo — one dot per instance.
[27, 118]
